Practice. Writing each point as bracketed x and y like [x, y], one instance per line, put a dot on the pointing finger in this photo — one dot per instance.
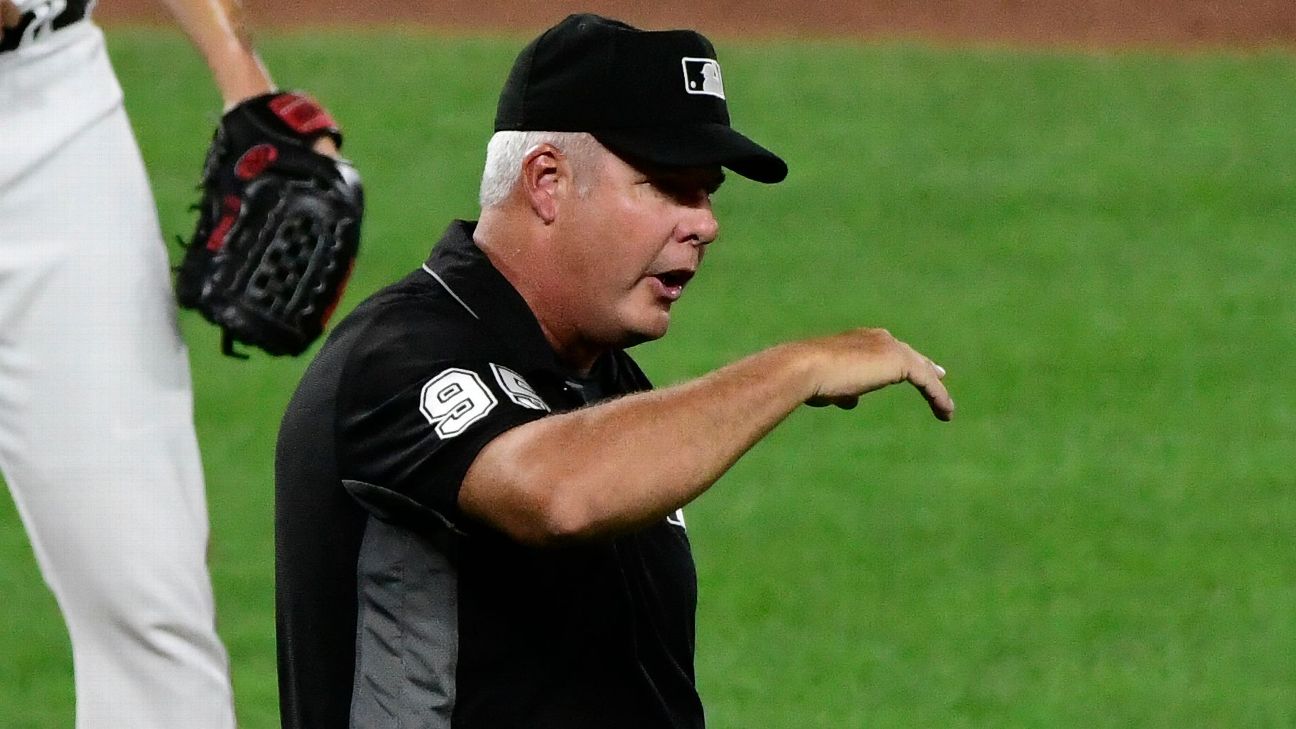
[928, 382]
[938, 398]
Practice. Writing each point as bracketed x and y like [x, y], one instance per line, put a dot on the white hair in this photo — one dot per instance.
[507, 149]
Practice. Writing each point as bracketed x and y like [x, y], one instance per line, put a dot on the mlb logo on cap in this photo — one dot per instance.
[702, 76]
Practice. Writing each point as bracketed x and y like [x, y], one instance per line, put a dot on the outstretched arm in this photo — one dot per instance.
[627, 463]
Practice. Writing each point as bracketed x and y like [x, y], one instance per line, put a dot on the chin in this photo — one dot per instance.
[647, 331]
[639, 337]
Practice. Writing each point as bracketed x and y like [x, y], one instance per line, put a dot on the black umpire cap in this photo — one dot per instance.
[655, 96]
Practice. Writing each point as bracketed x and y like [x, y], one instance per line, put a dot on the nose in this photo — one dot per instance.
[698, 225]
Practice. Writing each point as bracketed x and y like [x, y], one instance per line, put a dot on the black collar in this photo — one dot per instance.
[466, 273]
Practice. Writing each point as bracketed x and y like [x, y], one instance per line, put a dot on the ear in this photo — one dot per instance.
[546, 176]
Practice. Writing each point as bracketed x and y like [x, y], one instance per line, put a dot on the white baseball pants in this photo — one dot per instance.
[97, 441]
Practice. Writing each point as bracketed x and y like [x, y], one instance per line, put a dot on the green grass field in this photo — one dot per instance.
[1101, 249]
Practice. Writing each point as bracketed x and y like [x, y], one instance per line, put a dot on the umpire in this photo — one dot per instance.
[478, 512]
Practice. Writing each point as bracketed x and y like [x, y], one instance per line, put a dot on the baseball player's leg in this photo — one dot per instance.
[97, 441]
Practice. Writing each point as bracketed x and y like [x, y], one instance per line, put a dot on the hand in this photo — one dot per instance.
[326, 147]
[851, 364]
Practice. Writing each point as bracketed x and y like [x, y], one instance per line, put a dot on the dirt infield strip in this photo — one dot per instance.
[1084, 23]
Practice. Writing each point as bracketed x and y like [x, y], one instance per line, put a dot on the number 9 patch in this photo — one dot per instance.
[454, 400]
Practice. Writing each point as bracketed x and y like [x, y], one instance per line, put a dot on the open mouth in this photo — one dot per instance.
[672, 283]
[675, 279]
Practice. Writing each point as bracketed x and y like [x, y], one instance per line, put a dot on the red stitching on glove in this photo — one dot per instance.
[231, 205]
[302, 114]
[255, 160]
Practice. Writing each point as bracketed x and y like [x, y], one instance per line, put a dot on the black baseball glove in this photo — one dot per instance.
[278, 226]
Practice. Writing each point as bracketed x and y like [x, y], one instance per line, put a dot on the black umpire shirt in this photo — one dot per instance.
[396, 610]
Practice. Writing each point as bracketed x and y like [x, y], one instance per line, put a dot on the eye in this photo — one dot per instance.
[688, 186]
[687, 189]
[680, 192]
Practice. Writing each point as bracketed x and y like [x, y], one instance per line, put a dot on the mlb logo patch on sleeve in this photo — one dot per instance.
[518, 389]
[702, 76]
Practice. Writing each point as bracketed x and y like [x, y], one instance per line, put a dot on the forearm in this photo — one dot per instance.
[629, 462]
[217, 29]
